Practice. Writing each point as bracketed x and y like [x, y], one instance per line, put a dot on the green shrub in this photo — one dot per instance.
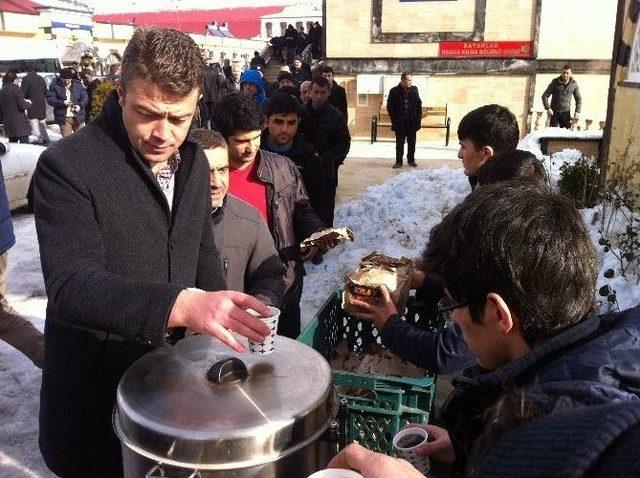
[99, 96]
[581, 183]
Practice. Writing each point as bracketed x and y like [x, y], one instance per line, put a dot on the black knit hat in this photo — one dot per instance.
[66, 73]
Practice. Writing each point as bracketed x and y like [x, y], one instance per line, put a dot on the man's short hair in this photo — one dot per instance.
[490, 125]
[513, 164]
[567, 67]
[320, 81]
[326, 69]
[207, 138]
[167, 58]
[236, 112]
[281, 103]
[526, 244]
[405, 74]
[10, 76]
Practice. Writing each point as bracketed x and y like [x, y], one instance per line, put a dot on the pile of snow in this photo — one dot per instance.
[394, 217]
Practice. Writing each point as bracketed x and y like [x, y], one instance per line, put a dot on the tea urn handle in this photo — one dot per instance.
[228, 370]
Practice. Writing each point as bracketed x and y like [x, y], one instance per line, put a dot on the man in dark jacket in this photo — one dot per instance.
[123, 216]
[214, 87]
[249, 258]
[283, 114]
[69, 100]
[272, 184]
[12, 107]
[14, 329]
[337, 96]
[300, 71]
[561, 89]
[34, 89]
[325, 128]
[539, 335]
[405, 110]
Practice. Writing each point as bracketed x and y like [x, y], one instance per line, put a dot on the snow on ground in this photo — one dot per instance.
[394, 218]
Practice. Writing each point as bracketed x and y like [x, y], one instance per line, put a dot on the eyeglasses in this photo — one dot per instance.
[448, 304]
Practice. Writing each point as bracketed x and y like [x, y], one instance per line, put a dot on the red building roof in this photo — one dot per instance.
[19, 6]
[243, 22]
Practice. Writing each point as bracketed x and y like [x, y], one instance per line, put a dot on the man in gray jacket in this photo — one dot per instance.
[250, 261]
[561, 89]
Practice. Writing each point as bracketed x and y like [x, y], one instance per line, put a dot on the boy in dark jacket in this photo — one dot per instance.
[249, 259]
[283, 114]
[337, 95]
[519, 272]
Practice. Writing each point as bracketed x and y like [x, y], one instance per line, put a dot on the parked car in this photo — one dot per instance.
[18, 166]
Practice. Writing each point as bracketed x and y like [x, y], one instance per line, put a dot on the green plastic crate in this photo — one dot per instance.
[389, 402]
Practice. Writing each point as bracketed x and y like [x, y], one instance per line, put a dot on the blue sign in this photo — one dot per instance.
[71, 26]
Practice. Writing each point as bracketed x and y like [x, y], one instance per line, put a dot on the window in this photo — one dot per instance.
[309, 25]
[634, 60]
[298, 25]
[363, 100]
[283, 28]
[269, 29]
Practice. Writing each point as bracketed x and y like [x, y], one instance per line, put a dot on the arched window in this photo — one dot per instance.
[268, 29]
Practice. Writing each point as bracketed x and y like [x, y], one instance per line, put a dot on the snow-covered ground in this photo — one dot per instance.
[394, 217]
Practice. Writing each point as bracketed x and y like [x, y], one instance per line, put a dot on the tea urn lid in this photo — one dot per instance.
[201, 404]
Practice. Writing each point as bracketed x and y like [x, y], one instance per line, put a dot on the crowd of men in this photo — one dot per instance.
[23, 102]
[296, 42]
[219, 213]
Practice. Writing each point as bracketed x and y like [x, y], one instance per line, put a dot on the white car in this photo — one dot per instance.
[18, 166]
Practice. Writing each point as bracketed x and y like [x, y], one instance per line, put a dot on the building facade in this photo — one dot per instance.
[467, 53]
[622, 132]
[300, 15]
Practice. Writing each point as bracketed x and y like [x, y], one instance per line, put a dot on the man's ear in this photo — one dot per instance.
[487, 152]
[121, 94]
[497, 310]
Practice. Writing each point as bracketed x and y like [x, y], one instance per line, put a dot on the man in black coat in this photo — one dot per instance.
[214, 87]
[325, 128]
[122, 213]
[337, 96]
[405, 110]
[284, 113]
[272, 184]
[12, 107]
[34, 89]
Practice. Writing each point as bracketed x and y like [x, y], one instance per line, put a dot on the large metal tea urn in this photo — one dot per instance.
[199, 409]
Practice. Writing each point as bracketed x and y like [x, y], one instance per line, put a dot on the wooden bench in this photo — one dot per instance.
[382, 119]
